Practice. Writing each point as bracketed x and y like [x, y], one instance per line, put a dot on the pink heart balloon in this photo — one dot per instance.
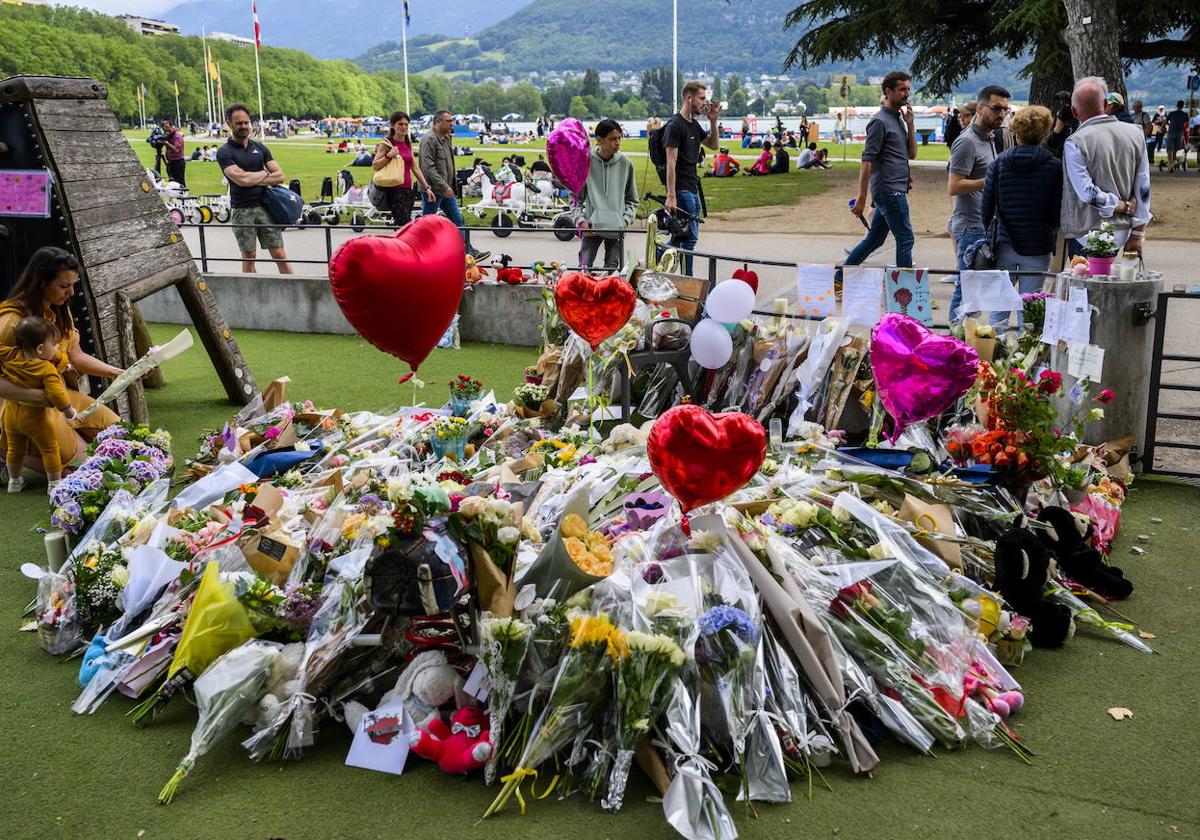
[569, 155]
[919, 374]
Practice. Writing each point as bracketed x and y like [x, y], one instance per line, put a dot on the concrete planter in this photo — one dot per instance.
[494, 314]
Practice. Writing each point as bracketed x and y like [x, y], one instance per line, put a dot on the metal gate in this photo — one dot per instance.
[1174, 429]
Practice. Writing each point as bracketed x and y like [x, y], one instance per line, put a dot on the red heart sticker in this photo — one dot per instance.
[401, 292]
[750, 278]
[594, 309]
[701, 457]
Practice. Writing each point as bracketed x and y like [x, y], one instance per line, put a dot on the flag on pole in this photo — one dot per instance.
[176, 88]
[142, 92]
[220, 89]
[258, 29]
[212, 67]
[407, 19]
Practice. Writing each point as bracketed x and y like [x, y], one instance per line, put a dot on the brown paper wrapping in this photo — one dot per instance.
[935, 519]
[652, 765]
[275, 394]
[985, 347]
[497, 591]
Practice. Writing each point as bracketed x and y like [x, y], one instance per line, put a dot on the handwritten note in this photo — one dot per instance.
[1077, 321]
[25, 192]
[814, 290]
[1085, 361]
[989, 291]
[1052, 325]
[907, 293]
[862, 295]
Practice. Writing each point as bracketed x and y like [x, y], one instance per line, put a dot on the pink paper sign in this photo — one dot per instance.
[25, 192]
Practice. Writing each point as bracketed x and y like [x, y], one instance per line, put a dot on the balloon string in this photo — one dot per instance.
[686, 526]
[591, 411]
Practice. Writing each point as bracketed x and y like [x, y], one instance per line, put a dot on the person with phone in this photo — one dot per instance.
[891, 144]
[682, 138]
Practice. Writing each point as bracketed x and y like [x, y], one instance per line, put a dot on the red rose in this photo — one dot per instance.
[1049, 382]
[1106, 396]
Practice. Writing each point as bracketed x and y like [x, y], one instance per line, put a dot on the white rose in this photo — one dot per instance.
[472, 506]
[498, 509]
[508, 535]
[841, 514]
[119, 576]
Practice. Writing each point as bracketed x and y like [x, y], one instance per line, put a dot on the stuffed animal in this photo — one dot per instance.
[460, 746]
[1022, 572]
[427, 684]
[475, 272]
[1069, 539]
[504, 274]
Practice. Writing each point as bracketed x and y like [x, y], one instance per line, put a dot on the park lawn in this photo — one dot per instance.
[308, 161]
[68, 776]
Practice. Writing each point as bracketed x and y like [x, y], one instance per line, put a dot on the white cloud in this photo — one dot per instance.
[124, 7]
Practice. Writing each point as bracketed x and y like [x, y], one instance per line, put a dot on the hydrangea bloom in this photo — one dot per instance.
[720, 617]
[114, 448]
[111, 433]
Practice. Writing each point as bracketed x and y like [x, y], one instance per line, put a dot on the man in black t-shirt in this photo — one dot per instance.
[250, 168]
[682, 138]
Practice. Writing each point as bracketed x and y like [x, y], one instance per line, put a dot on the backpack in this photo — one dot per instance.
[282, 205]
[658, 151]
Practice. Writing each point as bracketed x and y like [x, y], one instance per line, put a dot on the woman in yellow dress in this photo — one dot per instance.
[45, 288]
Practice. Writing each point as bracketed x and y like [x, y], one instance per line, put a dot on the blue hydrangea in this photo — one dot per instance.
[143, 471]
[720, 617]
[114, 448]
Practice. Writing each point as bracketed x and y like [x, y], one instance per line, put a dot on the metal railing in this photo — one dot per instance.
[205, 258]
[1153, 415]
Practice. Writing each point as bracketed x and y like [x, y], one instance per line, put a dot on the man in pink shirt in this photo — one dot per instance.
[173, 152]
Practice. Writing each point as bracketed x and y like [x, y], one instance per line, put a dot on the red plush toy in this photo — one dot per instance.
[460, 746]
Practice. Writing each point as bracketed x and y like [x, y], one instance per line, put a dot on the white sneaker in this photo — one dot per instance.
[50, 485]
[16, 485]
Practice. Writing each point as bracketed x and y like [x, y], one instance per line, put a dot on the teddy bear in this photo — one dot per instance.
[1023, 568]
[1069, 539]
[460, 746]
[427, 684]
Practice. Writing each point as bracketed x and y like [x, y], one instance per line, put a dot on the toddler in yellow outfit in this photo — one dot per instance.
[39, 364]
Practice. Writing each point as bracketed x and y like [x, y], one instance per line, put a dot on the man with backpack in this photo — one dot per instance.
[250, 170]
[680, 143]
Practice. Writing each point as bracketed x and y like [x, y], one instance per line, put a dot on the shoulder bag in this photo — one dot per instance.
[392, 174]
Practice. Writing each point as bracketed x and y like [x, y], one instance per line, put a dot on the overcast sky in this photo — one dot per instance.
[122, 7]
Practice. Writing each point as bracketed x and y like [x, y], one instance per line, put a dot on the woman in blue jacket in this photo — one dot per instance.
[1024, 187]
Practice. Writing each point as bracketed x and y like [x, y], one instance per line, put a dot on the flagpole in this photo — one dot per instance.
[220, 91]
[178, 121]
[207, 87]
[262, 117]
[674, 55]
[404, 41]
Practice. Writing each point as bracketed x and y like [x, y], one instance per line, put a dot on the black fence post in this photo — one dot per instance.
[203, 251]
[1156, 360]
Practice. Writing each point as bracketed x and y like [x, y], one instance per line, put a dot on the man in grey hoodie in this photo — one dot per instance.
[609, 199]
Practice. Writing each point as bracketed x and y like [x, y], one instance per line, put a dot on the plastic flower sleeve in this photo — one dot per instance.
[762, 753]
[1088, 617]
[693, 805]
[225, 693]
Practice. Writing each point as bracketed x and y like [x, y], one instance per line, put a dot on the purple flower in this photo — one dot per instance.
[68, 517]
[370, 504]
[652, 574]
[114, 448]
[143, 471]
[94, 464]
[1036, 296]
[720, 617]
[111, 433]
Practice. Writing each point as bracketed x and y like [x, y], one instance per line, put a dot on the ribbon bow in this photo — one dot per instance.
[469, 731]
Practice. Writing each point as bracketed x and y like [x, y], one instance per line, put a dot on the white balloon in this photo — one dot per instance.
[712, 345]
[730, 301]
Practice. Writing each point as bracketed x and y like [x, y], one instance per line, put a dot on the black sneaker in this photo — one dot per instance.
[480, 256]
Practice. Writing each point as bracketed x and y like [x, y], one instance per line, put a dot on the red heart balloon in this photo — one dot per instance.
[750, 278]
[401, 292]
[701, 457]
[594, 309]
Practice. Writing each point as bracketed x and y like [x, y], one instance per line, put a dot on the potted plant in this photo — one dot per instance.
[1101, 250]
[463, 389]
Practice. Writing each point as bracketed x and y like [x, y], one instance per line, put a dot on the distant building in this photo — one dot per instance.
[149, 26]
[22, 2]
[232, 39]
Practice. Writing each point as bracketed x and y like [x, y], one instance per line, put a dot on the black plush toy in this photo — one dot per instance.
[1069, 539]
[1022, 572]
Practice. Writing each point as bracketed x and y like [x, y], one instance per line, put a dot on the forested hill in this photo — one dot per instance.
[720, 36]
[58, 41]
[339, 28]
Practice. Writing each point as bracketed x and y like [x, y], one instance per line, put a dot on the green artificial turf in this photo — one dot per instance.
[65, 776]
